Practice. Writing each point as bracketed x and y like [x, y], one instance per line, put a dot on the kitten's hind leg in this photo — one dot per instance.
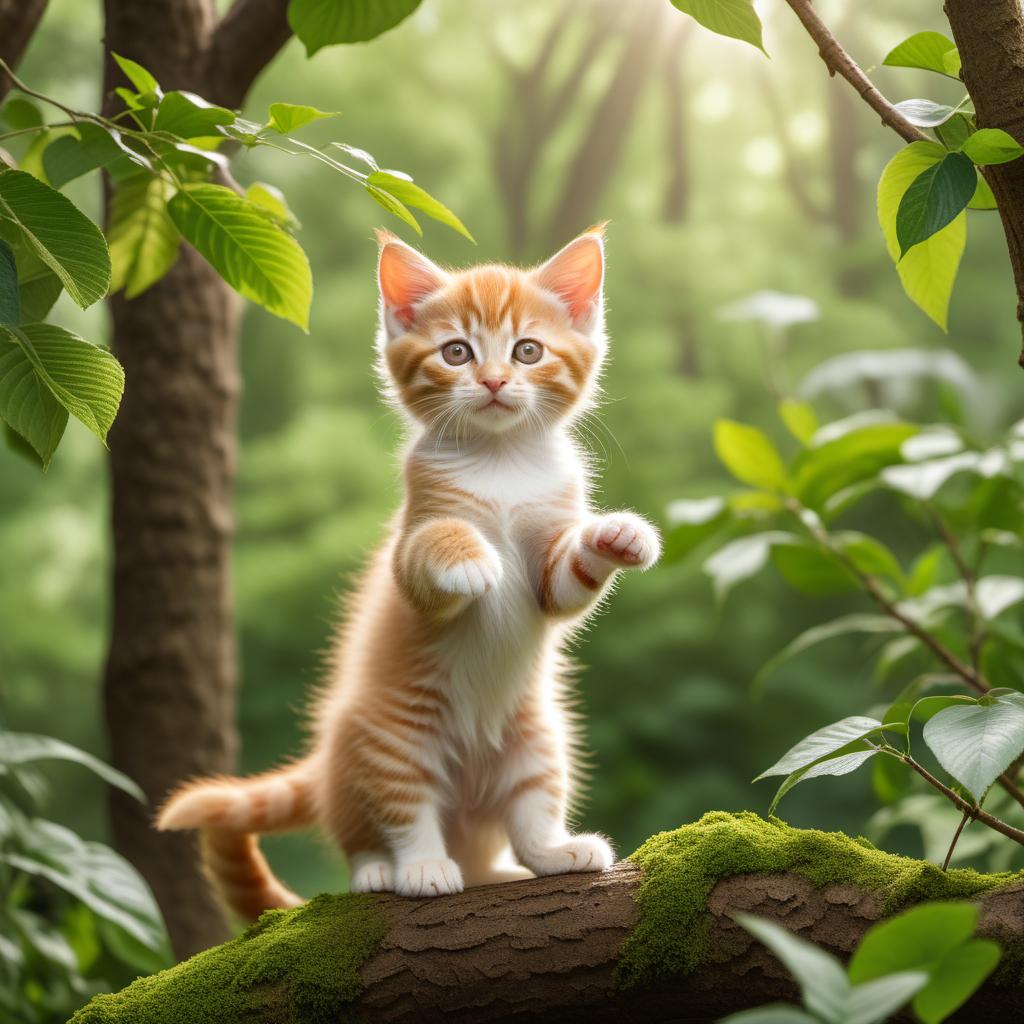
[371, 871]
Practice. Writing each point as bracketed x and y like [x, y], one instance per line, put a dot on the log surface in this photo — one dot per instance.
[546, 949]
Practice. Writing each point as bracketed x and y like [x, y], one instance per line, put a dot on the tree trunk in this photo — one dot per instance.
[990, 37]
[18, 22]
[170, 675]
[542, 950]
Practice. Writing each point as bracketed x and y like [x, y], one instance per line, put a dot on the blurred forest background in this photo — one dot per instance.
[723, 175]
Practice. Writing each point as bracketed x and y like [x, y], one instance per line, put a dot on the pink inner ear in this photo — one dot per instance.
[575, 274]
[405, 279]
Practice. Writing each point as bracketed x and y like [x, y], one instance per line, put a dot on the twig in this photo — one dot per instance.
[975, 634]
[956, 835]
[838, 61]
[969, 675]
[959, 802]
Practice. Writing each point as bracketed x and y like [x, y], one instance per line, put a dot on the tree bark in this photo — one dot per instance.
[18, 21]
[169, 688]
[990, 37]
[547, 950]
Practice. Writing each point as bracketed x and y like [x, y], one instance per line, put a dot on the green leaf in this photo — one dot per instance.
[951, 63]
[85, 379]
[929, 269]
[992, 146]
[290, 117]
[934, 198]
[18, 114]
[955, 132]
[811, 569]
[857, 622]
[143, 240]
[835, 464]
[410, 194]
[820, 976]
[393, 205]
[924, 50]
[925, 113]
[936, 938]
[800, 419]
[190, 116]
[983, 199]
[748, 454]
[258, 259]
[736, 19]
[271, 200]
[742, 558]
[977, 743]
[842, 762]
[955, 979]
[103, 880]
[876, 1001]
[691, 523]
[17, 748]
[137, 74]
[10, 299]
[821, 743]
[26, 403]
[85, 149]
[320, 23]
[771, 1013]
[38, 285]
[62, 237]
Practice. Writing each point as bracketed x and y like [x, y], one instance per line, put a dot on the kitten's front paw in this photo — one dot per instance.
[625, 539]
[428, 878]
[471, 577]
[373, 876]
[578, 853]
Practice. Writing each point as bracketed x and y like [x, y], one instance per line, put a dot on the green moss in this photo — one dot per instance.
[682, 867]
[294, 966]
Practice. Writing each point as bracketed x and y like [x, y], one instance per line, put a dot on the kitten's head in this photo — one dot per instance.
[491, 349]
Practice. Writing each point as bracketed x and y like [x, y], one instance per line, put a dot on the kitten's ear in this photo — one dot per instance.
[575, 274]
[406, 277]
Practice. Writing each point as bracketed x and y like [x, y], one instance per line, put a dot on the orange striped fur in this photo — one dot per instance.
[442, 750]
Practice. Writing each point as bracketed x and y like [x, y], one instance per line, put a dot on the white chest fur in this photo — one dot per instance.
[495, 649]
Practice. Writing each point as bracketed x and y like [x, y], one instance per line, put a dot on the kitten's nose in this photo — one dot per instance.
[494, 384]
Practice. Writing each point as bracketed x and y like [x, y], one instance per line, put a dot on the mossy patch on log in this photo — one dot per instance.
[682, 867]
[298, 966]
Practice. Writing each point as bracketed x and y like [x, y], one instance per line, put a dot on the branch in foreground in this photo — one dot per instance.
[838, 61]
[646, 941]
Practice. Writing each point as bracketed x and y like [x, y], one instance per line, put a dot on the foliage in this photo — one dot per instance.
[939, 477]
[925, 190]
[683, 866]
[166, 154]
[75, 917]
[925, 956]
[306, 959]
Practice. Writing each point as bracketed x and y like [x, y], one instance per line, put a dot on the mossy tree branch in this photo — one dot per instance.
[651, 940]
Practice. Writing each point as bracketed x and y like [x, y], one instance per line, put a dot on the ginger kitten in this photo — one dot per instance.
[440, 739]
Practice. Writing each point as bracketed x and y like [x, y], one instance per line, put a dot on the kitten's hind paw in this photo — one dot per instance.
[578, 853]
[428, 878]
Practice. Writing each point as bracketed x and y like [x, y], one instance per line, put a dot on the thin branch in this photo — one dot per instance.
[838, 61]
[975, 633]
[243, 44]
[960, 803]
[969, 675]
[956, 836]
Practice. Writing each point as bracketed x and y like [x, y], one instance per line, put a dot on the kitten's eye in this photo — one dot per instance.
[455, 353]
[528, 351]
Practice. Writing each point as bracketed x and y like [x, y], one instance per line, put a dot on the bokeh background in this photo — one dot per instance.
[723, 175]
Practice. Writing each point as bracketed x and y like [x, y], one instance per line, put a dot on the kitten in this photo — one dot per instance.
[441, 738]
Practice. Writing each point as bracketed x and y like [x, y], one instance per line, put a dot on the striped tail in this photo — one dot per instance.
[229, 814]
